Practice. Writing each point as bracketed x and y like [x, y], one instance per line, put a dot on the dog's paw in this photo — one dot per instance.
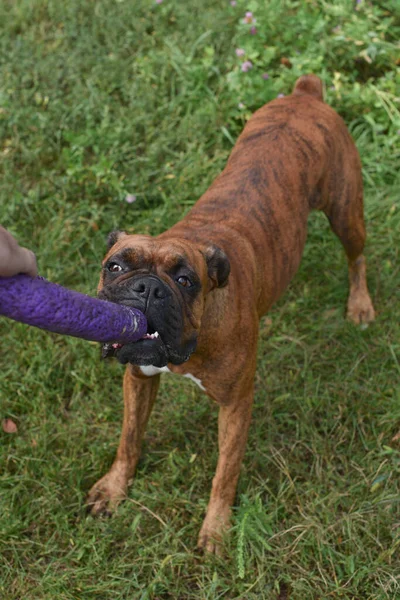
[212, 533]
[105, 495]
[209, 542]
[360, 309]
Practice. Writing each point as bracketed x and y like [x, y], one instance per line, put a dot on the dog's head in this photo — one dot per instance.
[168, 280]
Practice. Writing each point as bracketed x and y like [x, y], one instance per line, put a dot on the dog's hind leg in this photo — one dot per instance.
[359, 305]
[346, 216]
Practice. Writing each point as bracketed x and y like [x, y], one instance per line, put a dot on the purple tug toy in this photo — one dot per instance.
[37, 302]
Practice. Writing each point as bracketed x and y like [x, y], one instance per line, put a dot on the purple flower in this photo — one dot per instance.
[233, 2]
[241, 106]
[253, 30]
[158, 1]
[130, 198]
[240, 52]
[265, 76]
[248, 17]
[246, 66]
[280, 95]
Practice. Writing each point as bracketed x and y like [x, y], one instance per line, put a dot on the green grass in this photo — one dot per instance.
[102, 99]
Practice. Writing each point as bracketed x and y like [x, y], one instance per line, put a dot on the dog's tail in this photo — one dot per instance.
[310, 85]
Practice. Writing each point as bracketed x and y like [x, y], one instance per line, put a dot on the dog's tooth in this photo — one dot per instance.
[156, 335]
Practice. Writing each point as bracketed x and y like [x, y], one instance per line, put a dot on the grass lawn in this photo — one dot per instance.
[101, 101]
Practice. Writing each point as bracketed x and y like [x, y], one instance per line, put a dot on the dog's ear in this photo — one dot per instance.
[218, 266]
[113, 238]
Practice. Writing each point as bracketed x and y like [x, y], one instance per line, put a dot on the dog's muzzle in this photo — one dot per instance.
[162, 342]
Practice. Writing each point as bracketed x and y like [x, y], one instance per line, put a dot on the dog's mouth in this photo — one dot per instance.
[159, 345]
[148, 350]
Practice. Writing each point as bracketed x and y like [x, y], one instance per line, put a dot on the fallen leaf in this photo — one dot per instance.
[266, 325]
[9, 426]
[286, 62]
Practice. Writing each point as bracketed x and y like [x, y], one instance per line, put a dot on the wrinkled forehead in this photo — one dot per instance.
[143, 252]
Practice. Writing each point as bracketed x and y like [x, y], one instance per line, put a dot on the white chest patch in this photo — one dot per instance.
[149, 371]
[196, 380]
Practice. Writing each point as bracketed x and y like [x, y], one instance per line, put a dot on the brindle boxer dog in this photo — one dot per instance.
[205, 283]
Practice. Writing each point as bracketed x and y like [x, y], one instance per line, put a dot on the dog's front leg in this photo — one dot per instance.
[139, 396]
[233, 425]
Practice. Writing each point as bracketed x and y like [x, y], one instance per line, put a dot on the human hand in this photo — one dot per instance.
[13, 258]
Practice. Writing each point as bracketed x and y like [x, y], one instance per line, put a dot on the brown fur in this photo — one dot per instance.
[294, 155]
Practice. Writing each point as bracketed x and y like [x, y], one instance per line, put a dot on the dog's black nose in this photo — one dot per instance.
[150, 287]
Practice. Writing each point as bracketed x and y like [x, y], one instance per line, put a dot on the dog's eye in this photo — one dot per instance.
[184, 281]
[114, 267]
